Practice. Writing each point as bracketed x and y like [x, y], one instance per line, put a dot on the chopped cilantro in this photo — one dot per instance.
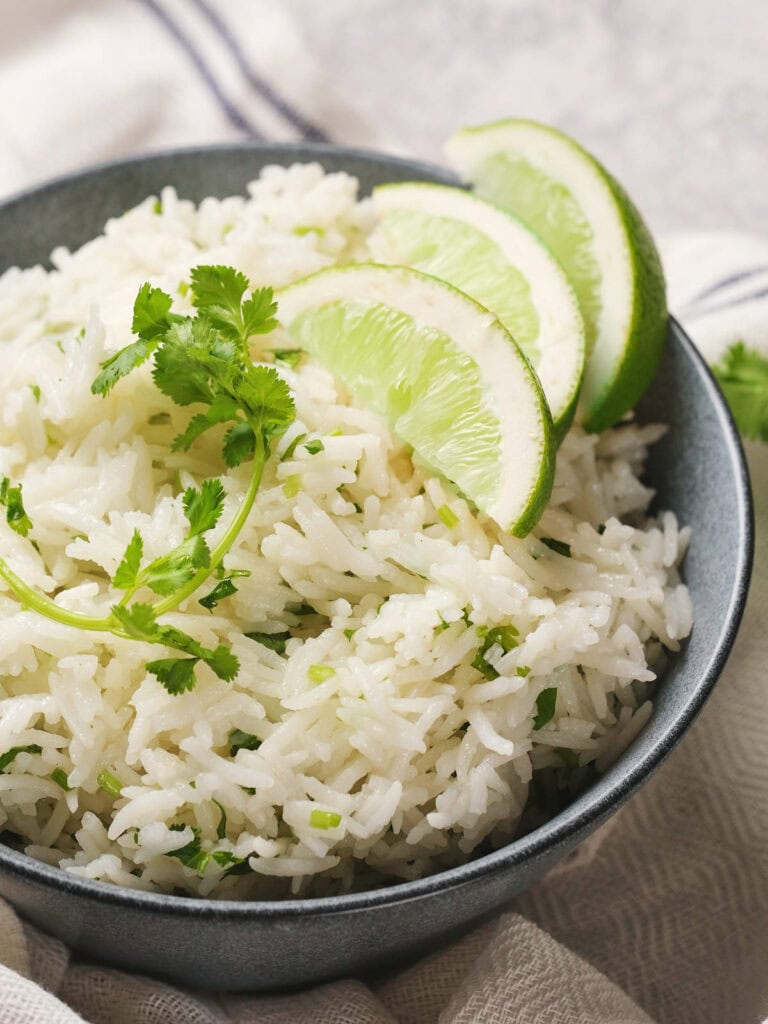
[558, 546]
[109, 783]
[288, 453]
[546, 702]
[274, 641]
[10, 756]
[224, 588]
[239, 740]
[15, 513]
[59, 776]
[522, 670]
[570, 758]
[192, 855]
[324, 819]
[292, 485]
[313, 447]
[448, 516]
[36, 392]
[290, 356]
[221, 828]
[504, 636]
[349, 633]
[301, 609]
[319, 673]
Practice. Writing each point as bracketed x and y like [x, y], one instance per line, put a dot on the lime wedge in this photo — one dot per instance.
[443, 370]
[591, 226]
[493, 257]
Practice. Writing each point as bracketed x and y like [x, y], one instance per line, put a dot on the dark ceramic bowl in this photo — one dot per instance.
[698, 470]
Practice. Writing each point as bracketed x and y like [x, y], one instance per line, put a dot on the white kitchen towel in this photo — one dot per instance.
[662, 916]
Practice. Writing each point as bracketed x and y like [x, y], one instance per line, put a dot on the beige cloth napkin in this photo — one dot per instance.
[662, 916]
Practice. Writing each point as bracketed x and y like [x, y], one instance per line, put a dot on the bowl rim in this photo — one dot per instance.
[590, 808]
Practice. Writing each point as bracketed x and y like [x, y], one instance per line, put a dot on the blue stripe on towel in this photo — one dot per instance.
[726, 282]
[692, 313]
[257, 83]
[236, 117]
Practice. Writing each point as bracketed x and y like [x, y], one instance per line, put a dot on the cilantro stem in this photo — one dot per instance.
[226, 542]
[45, 606]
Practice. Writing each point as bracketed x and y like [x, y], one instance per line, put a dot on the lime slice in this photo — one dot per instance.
[443, 370]
[494, 258]
[588, 222]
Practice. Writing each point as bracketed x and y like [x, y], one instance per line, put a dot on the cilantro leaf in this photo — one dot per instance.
[546, 702]
[10, 756]
[239, 740]
[504, 636]
[218, 291]
[743, 375]
[558, 546]
[290, 356]
[138, 621]
[15, 513]
[239, 444]
[151, 312]
[288, 453]
[259, 313]
[121, 363]
[221, 828]
[184, 362]
[203, 507]
[266, 399]
[170, 572]
[223, 662]
[192, 855]
[224, 588]
[274, 641]
[316, 446]
[127, 572]
[176, 674]
[152, 318]
[222, 409]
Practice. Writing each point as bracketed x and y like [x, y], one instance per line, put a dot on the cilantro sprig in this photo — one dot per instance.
[202, 361]
[743, 375]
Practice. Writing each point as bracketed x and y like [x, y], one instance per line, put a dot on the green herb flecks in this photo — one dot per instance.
[504, 636]
[274, 641]
[15, 513]
[546, 702]
[290, 356]
[200, 360]
[558, 546]
[109, 783]
[10, 756]
[324, 819]
[448, 516]
[320, 673]
[224, 588]
[59, 776]
[239, 740]
[193, 856]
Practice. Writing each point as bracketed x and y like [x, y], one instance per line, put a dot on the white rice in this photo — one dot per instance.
[421, 757]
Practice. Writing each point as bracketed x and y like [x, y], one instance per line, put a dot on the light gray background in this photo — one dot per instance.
[672, 94]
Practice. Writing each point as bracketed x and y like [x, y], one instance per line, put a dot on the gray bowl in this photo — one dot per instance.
[698, 471]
